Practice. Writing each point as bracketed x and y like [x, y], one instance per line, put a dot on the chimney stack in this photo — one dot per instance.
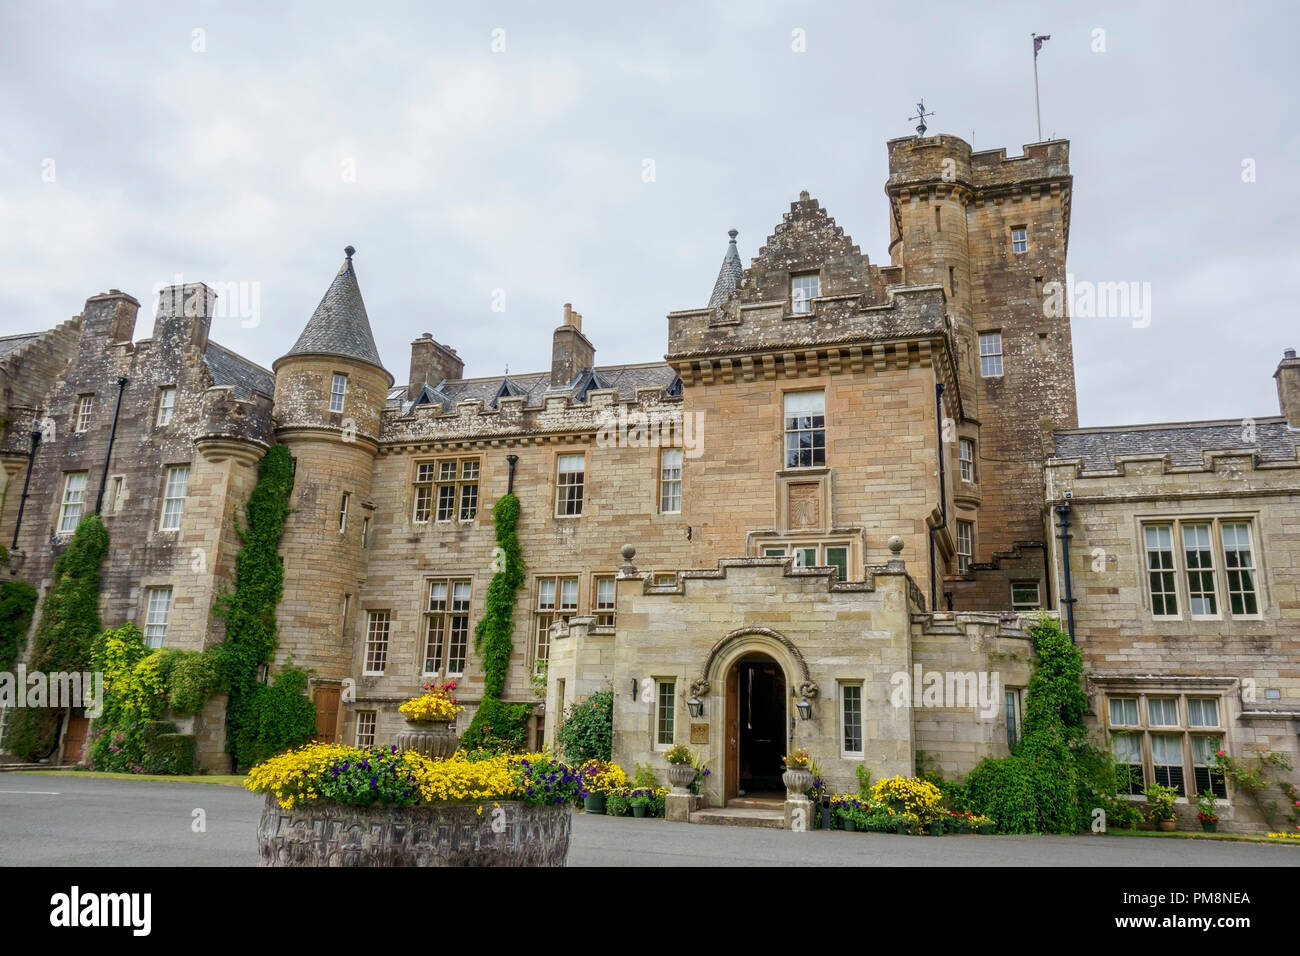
[431, 363]
[110, 315]
[1288, 387]
[571, 352]
[193, 303]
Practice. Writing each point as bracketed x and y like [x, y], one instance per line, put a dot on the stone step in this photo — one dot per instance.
[733, 816]
[756, 803]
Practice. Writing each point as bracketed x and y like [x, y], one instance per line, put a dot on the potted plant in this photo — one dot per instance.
[1205, 807]
[428, 722]
[1161, 801]
[797, 777]
[681, 767]
[599, 777]
[640, 801]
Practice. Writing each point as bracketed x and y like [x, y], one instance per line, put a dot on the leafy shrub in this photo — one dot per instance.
[17, 605]
[280, 717]
[588, 729]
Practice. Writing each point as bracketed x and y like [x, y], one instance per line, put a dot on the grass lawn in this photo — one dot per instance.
[220, 780]
[1191, 835]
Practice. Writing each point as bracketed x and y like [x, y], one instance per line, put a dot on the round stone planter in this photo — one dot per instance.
[797, 782]
[318, 833]
[681, 776]
[435, 740]
[1167, 826]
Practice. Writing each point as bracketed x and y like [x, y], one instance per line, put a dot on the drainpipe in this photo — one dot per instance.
[112, 436]
[1063, 512]
[511, 460]
[943, 496]
[22, 502]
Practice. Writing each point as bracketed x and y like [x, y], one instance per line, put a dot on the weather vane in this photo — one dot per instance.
[920, 116]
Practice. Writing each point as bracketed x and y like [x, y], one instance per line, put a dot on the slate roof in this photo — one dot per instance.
[340, 326]
[1183, 443]
[729, 275]
[536, 386]
[10, 342]
[239, 373]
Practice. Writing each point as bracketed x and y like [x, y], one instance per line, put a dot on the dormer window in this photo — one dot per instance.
[803, 289]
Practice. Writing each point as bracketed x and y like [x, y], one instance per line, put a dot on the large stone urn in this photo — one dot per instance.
[433, 739]
[681, 776]
[504, 833]
[797, 782]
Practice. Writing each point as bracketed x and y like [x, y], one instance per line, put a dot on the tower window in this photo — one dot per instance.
[805, 429]
[74, 500]
[965, 545]
[991, 354]
[178, 485]
[938, 219]
[338, 389]
[157, 616]
[966, 458]
[343, 512]
[670, 481]
[803, 289]
[1019, 239]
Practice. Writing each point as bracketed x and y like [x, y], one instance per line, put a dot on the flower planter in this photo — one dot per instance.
[901, 829]
[1210, 826]
[1167, 826]
[850, 825]
[594, 803]
[680, 776]
[797, 782]
[433, 739]
[936, 828]
[640, 810]
[319, 833]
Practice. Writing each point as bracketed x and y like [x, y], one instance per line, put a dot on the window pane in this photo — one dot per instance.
[1162, 711]
[1203, 711]
[852, 704]
[839, 558]
[666, 705]
[1124, 711]
[569, 594]
[546, 593]
[1239, 560]
[1199, 560]
[1160, 569]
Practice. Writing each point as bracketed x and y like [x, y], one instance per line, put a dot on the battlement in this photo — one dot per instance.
[949, 159]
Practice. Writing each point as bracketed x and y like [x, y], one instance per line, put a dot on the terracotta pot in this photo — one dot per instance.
[797, 782]
[435, 740]
[681, 776]
[1168, 826]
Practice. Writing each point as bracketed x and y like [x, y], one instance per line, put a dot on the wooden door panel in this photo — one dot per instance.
[732, 733]
[327, 713]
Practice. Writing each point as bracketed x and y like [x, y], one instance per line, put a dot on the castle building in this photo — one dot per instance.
[841, 483]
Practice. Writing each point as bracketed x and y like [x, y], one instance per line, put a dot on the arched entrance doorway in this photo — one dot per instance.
[757, 718]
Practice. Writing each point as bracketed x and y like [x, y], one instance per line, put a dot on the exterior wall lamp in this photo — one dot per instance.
[804, 705]
[695, 706]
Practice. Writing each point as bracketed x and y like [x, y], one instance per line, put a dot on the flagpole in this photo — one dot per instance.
[1038, 113]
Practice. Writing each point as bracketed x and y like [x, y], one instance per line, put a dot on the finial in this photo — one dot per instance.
[349, 251]
[920, 116]
[733, 233]
[804, 196]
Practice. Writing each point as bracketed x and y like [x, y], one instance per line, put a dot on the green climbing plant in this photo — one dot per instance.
[498, 725]
[17, 605]
[65, 636]
[255, 709]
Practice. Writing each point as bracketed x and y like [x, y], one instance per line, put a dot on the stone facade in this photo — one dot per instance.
[832, 484]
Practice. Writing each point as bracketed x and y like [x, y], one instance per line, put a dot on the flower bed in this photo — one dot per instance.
[620, 801]
[903, 805]
[346, 806]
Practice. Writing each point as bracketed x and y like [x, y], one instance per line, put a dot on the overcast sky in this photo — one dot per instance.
[256, 149]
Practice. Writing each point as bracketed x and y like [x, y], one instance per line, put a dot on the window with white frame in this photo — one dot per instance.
[670, 480]
[365, 533]
[813, 555]
[118, 496]
[557, 600]
[174, 494]
[665, 713]
[74, 501]
[570, 474]
[1215, 561]
[805, 429]
[965, 545]
[803, 289]
[966, 459]
[446, 627]
[1019, 239]
[338, 390]
[1025, 596]
[991, 354]
[1157, 736]
[344, 503]
[85, 410]
[166, 405]
[378, 625]
[157, 613]
[603, 600]
[851, 718]
[366, 728]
